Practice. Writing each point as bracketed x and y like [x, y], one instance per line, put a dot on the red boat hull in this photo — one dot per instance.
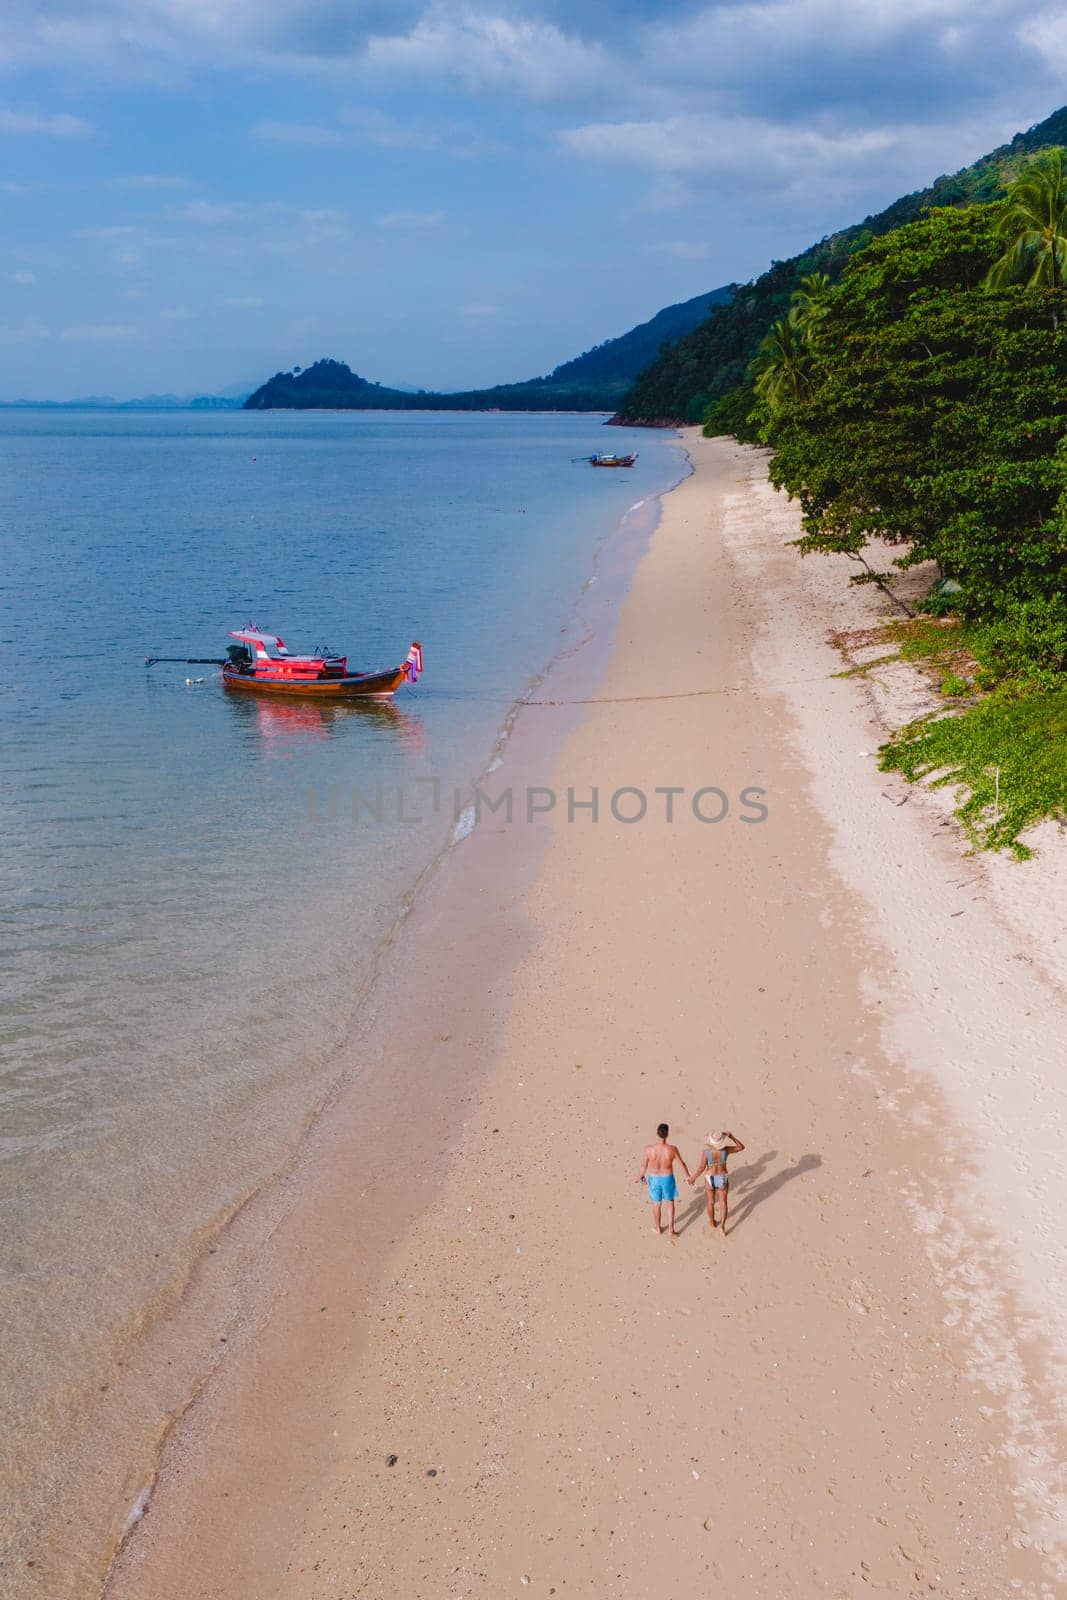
[380, 685]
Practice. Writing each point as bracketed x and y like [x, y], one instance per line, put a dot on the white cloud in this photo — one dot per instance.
[325, 217]
[206, 213]
[28, 332]
[299, 133]
[480, 51]
[801, 51]
[177, 314]
[109, 233]
[1046, 33]
[460, 140]
[98, 333]
[56, 124]
[150, 180]
[24, 279]
[8, 187]
[815, 169]
[702, 143]
[151, 38]
[411, 219]
[386, 132]
[241, 302]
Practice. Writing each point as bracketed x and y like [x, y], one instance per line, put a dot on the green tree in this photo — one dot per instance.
[810, 302]
[1033, 226]
[932, 414]
[782, 364]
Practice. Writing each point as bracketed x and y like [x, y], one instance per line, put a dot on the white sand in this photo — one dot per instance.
[856, 1390]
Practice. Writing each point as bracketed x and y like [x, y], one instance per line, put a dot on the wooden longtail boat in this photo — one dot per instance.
[261, 663]
[604, 458]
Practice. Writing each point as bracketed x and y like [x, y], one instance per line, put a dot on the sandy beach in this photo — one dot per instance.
[856, 1390]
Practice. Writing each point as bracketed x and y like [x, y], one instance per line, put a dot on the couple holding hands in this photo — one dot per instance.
[657, 1169]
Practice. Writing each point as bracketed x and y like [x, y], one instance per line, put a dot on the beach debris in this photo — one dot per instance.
[431, 1472]
[525, 1578]
[709, 1525]
[391, 1461]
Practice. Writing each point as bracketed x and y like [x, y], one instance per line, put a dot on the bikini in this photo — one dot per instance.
[720, 1178]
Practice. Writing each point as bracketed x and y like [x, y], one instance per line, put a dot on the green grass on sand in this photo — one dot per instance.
[1020, 737]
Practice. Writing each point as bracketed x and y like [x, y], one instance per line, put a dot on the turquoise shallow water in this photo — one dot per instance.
[182, 944]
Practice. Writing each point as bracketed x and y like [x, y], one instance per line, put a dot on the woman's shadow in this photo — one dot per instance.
[750, 1187]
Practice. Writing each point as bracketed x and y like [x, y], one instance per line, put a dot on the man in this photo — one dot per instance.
[658, 1168]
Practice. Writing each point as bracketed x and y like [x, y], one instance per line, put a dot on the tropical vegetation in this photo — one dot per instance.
[706, 366]
[918, 403]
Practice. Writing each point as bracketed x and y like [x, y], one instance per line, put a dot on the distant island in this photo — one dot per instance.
[599, 380]
[228, 400]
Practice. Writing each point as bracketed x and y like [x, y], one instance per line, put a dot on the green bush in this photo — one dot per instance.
[731, 414]
[1028, 643]
[1007, 756]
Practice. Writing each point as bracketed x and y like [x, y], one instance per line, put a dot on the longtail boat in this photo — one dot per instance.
[605, 458]
[261, 663]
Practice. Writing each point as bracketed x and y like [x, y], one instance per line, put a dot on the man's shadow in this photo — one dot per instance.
[749, 1187]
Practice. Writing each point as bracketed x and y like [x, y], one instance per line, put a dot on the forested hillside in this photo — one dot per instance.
[711, 361]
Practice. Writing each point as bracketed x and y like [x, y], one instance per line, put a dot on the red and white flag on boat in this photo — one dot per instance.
[414, 662]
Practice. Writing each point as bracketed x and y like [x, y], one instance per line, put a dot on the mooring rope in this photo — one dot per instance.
[682, 694]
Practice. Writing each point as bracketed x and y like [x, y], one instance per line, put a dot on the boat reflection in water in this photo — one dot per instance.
[286, 727]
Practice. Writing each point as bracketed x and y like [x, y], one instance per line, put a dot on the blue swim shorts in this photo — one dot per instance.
[661, 1186]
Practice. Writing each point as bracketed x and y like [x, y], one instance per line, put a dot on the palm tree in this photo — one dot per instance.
[810, 302]
[1033, 225]
[782, 363]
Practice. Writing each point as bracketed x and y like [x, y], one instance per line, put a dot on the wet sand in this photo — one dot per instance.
[854, 1390]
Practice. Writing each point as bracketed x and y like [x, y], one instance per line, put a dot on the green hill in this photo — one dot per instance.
[712, 360]
[618, 361]
[595, 381]
[326, 386]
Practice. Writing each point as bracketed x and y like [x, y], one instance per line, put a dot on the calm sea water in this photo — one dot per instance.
[183, 946]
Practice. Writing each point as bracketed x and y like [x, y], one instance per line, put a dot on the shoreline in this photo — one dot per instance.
[172, 1354]
[590, 953]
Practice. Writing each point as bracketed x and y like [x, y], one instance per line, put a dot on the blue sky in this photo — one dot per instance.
[195, 193]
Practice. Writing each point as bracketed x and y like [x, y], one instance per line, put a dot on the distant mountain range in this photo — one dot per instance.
[226, 400]
[595, 381]
[711, 360]
[147, 402]
[598, 380]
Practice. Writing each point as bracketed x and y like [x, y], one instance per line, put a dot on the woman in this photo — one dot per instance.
[716, 1177]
